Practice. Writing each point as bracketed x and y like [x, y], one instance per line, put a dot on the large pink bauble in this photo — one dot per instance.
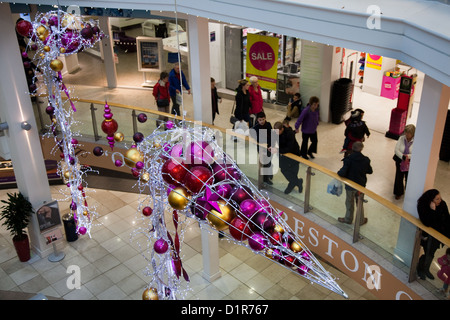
[24, 28]
[224, 190]
[240, 193]
[275, 238]
[82, 230]
[262, 221]
[265, 205]
[257, 241]
[239, 229]
[248, 207]
[200, 153]
[196, 179]
[173, 172]
[225, 172]
[161, 246]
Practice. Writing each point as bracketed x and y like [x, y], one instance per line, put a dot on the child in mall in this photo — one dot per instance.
[444, 272]
[294, 107]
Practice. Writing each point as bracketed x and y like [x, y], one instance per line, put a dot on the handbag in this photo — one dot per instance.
[404, 165]
[233, 119]
[179, 98]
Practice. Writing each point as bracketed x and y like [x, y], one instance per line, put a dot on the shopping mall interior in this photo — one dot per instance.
[111, 260]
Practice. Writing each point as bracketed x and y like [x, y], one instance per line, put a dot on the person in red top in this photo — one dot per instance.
[162, 97]
[256, 99]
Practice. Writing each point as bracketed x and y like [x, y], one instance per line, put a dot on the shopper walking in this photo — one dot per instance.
[402, 158]
[356, 167]
[433, 212]
[177, 80]
[294, 107]
[256, 99]
[262, 133]
[289, 167]
[243, 104]
[215, 100]
[356, 130]
[309, 120]
[162, 96]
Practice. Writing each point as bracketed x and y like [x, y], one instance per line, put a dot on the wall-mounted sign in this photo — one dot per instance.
[262, 60]
[149, 54]
[374, 61]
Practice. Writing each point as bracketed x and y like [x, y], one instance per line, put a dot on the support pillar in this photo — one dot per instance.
[107, 50]
[210, 252]
[424, 159]
[198, 35]
[25, 146]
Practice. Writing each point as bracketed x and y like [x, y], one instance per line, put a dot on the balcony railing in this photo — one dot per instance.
[384, 216]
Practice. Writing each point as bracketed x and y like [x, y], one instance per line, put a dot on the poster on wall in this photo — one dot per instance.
[261, 60]
[149, 54]
[374, 61]
[48, 216]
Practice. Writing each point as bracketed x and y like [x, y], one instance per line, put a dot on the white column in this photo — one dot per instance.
[425, 156]
[108, 52]
[198, 35]
[25, 146]
[210, 252]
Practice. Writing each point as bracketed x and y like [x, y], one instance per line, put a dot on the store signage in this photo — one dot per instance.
[262, 60]
[374, 61]
[347, 259]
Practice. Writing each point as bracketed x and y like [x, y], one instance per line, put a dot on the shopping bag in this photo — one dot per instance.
[335, 187]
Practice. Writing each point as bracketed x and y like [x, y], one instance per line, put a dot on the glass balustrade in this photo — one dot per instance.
[380, 233]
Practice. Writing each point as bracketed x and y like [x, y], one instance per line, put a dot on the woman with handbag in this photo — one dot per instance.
[243, 104]
[402, 158]
[162, 97]
[256, 99]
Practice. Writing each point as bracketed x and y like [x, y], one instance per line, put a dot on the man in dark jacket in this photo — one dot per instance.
[356, 167]
[262, 133]
[289, 167]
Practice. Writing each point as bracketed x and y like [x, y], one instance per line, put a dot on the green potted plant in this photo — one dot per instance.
[16, 215]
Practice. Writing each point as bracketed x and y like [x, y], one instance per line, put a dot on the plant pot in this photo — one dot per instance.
[22, 246]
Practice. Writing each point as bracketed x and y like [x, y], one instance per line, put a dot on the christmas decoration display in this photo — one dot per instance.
[50, 37]
[183, 174]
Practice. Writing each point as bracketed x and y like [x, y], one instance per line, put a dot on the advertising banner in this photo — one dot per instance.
[262, 60]
[374, 61]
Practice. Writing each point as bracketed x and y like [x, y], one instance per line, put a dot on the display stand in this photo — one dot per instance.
[56, 256]
[51, 237]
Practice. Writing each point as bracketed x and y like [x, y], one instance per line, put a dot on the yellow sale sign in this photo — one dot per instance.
[262, 60]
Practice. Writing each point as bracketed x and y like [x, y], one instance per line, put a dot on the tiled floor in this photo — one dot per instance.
[112, 267]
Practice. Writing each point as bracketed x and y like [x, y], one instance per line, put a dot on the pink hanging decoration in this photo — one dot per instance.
[109, 125]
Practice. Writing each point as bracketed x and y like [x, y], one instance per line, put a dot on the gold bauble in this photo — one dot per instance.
[132, 156]
[296, 247]
[145, 177]
[56, 65]
[178, 198]
[42, 37]
[220, 220]
[157, 145]
[62, 50]
[150, 294]
[279, 229]
[85, 213]
[67, 174]
[46, 48]
[41, 30]
[269, 253]
[118, 136]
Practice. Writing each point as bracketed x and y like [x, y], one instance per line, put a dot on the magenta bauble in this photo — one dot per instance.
[240, 193]
[224, 190]
[82, 230]
[138, 137]
[196, 179]
[173, 172]
[142, 117]
[239, 229]
[98, 151]
[200, 153]
[262, 221]
[248, 207]
[257, 241]
[161, 246]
